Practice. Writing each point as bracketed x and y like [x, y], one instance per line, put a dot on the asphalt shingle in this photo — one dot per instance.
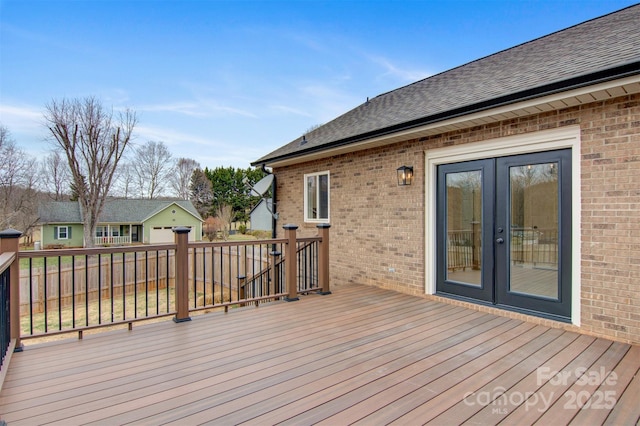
[114, 211]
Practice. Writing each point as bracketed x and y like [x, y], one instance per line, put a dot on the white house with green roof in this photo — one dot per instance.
[121, 222]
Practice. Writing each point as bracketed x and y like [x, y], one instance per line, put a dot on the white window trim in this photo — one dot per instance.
[102, 230]
[548, 140]
[304, 184]
[66, 232]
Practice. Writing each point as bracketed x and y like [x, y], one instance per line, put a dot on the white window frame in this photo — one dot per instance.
[66, 232]
[317, 195]
[102, 231]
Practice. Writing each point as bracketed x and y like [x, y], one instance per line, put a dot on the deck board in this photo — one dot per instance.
[362, 355]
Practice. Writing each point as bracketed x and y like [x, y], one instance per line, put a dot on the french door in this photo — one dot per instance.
[504, 232]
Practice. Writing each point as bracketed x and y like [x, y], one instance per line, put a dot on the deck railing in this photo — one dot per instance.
[5, 320]
[224, 274]
[527, 245]
[79, 289]
[113, 240]
[534, 246]
[72, 290]
[463, 250]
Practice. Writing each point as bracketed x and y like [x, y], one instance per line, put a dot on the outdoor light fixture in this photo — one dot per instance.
[405, 175]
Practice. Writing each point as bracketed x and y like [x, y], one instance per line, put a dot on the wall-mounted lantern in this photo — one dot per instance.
[405, 175]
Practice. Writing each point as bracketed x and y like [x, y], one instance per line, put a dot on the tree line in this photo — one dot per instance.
[93, 158]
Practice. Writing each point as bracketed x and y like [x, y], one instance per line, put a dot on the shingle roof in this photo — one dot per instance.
[603, 48]
[60, 212]
[114, 211]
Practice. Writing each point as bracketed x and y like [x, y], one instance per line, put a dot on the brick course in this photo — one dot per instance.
[378, 228]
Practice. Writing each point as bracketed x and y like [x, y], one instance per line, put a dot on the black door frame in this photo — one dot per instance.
[494, 289]
[559, 308]
[484, 292]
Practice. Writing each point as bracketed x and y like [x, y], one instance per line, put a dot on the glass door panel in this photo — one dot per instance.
[465, 261]
[464, 225]
[534, 230]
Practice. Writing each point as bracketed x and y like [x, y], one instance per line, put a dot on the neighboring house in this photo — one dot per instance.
[525, 193]
[121, 222]
[260, 216]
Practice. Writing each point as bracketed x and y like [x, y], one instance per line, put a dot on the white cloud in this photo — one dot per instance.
[22, 120]
[290, 110]
[201, 108]
[327, 102]
[405, 75]
[42, 39]
[214, 108]
[186, 108]
[115, 96]
[171, 137]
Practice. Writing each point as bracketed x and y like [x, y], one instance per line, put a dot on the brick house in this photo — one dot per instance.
[524, 197]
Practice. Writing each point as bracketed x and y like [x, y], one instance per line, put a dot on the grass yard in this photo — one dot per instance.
[108, 310]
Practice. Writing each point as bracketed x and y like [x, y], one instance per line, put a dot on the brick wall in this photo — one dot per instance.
[378, 228]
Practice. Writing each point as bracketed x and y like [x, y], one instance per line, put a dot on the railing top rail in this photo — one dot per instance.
[308, 239]
[236, 243]
[5, 260]
[94, 251]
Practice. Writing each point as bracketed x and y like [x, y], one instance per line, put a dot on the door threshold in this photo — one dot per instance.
[505, 310]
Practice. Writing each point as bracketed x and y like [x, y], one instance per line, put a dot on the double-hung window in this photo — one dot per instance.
[316, 197]
[101, 231]
[62, 232]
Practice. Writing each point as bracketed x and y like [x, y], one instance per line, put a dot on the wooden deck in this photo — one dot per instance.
[361, 355]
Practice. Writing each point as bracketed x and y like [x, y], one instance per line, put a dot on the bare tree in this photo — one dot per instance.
[181, 177]
[201, 192]
[93, 140]
[124, 181]
[211, 226]
[152, 166]
[225, 214]
[56, 179]
[18, 194]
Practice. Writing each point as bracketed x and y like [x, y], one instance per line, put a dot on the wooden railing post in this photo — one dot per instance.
[10, 243]
[323, 259]
[181, 234]
[291, 262]
[242, 279]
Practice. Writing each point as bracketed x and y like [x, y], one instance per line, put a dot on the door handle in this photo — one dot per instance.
[500, 240]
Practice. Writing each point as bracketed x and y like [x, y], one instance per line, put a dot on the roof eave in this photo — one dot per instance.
[171, 203]
[577, 82]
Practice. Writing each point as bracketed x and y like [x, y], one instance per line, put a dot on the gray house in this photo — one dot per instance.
[260, 216]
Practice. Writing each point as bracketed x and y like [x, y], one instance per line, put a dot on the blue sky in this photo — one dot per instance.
[226, 82]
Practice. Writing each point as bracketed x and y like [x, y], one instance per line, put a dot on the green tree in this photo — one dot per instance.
[229, 188]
